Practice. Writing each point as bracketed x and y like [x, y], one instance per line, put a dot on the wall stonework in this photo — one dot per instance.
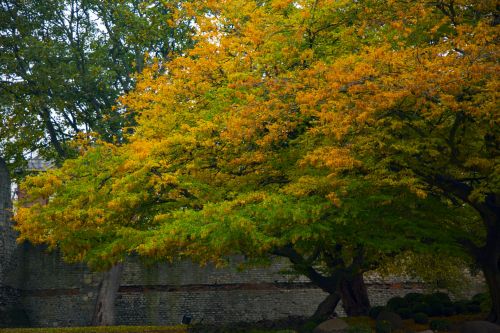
[54, 293]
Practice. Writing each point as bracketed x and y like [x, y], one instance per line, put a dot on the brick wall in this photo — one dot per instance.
[54, 293]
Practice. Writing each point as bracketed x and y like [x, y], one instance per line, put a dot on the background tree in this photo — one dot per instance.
[63, 63]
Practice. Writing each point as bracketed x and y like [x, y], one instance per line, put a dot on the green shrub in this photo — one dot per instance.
[484, 301]
[421, 307]
[481, 297]
[435, 309]
[404, 313]
[383, 326]
[375, 310]
[448, 310]
[414, 298]
[440, 325]
[473, 307]
[439, 297]
[420, 318]
[460, 307]
[396, 303]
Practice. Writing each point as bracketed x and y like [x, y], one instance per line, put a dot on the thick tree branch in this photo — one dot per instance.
[328, 284]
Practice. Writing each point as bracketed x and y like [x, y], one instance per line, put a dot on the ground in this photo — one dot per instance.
[456, 321]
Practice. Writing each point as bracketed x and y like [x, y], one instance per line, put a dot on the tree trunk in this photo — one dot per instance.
[489, 258]
[104, 312]
[326, 308]
[7, 236]
[492, 276]
[354, 296]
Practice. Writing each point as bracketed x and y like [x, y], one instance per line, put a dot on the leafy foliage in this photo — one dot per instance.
[336, 133]
[64, 63]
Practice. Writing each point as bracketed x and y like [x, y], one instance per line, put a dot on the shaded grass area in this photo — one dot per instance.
[121, 329]
[409, 324]
[107, 329]
[354, 322]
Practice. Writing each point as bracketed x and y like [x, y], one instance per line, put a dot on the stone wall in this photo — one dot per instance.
[54, 293]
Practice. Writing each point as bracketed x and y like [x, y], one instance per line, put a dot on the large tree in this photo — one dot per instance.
[247, 144]
[420, 109]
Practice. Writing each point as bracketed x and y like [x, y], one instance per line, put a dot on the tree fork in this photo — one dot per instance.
[489, 258]
[327, 307]
[354, 296]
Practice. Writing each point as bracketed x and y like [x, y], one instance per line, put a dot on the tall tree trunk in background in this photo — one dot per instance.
[488, 257]
[105, 312]
[354, 296]
[491, 271]
[6, 234]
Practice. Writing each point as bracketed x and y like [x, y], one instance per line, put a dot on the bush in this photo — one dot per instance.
[460, 307]
[413, 298]
[473, 307]
[448, 311]
[383, 326]
[435, 309]
[480, 298]
[420, 318]
[421, 307]
[404, 313]
[396, 303]
[442, 298]
[440, 325]
[484, 301]
[375, 310]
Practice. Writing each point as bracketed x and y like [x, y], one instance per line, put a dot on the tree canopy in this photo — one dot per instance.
[335, 133]
[65, 62]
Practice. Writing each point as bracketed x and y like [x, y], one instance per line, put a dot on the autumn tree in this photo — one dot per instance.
[420, 109]
[306, 129]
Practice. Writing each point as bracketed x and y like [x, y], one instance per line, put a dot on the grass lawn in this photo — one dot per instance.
[118, 329]
[109, 329]
[455, 321]
[410, 325]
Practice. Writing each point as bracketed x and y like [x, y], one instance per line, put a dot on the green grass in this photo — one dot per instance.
[352, 321]
[109, 329]
[119, 329]
[410, 325]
